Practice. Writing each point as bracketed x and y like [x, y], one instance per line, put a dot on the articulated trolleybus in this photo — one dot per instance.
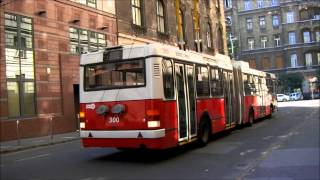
[157, 96]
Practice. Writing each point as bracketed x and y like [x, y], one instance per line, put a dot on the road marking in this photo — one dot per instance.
[33, 157]
[246, 152]
[267, 137]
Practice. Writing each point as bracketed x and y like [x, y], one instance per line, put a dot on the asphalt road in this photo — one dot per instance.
[284, 147]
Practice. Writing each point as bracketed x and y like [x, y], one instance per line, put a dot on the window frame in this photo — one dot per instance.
[292, 37]
[262, 22]
[263, 41]
[87, 3]
[247, 5]
[119, 87]
[290, 17]
[249, 24]
[275, 21]
[250, 45]
[172, 78]
[293, 60]
[80, 43]
[308, 59]
[138, 11]
[197, 73]
[161, 17]
[20, 80]
[306, 37]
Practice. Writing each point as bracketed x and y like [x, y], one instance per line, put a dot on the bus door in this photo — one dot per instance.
[262, 98]
[185, 101]
[228, 88]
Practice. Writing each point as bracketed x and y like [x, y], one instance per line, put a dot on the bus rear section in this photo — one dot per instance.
[120, 107]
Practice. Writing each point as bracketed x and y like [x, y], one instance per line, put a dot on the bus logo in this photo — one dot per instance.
[90, 106]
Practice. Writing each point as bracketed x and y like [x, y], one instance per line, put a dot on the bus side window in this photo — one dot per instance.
[167, 74]
[202, 74]
[216, 82]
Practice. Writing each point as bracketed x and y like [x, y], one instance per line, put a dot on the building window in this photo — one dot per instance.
[252, 63]
[136, 12]
[275, 21]
[292, 37]
[277, 40]
[260, 3]
[247, 4]
[262, 22]
[160, 17]
[220, 41]
[19, 66]
[293, 59]
[274, 2]
[228, 3]
[250, 43]
[82, 41]
[209, 36]
[306, 37]
[290, 17]
[249, 24]
[317, 37]
[265, 63]
[90, 3]
[181, 31]
[308, 57]
[264, 40]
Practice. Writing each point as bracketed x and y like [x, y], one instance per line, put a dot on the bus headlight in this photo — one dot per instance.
[153, 124]
[82, 125]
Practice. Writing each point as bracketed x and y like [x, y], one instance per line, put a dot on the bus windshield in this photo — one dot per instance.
[113, 75]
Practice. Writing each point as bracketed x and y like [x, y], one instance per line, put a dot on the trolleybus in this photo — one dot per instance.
[157, 96]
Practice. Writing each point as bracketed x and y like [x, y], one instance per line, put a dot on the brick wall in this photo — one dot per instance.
[56, 69]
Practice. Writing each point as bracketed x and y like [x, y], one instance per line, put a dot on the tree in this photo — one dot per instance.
[291, 81]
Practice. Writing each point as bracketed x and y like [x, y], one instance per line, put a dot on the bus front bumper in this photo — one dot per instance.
[153, 139]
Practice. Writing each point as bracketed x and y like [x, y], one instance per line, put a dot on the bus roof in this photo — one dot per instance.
[161, 50]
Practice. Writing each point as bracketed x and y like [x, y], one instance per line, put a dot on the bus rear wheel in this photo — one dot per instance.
[251, 118]
[204, 133]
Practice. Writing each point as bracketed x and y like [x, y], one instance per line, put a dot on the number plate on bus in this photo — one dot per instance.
[114, 120]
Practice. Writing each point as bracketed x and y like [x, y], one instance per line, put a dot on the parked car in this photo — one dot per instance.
[282, 97]
[296, 96]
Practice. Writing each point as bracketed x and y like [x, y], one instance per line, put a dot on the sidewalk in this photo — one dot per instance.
[15, 145]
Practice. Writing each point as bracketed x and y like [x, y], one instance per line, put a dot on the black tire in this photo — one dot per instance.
[271, 111]
[251, 118]
[204, 133]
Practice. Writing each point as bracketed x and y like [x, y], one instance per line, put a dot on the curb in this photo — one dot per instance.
[35, 146]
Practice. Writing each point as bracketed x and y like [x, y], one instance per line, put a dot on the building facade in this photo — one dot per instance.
[278, 36]
[40, 47]
[190, 24]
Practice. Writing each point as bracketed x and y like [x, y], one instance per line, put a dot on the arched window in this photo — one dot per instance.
[160, 17]
[220, 41]
[181, 35]
[209, 36]
[136, 12]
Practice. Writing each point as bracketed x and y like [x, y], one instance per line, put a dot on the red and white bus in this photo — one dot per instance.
[157, 96]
